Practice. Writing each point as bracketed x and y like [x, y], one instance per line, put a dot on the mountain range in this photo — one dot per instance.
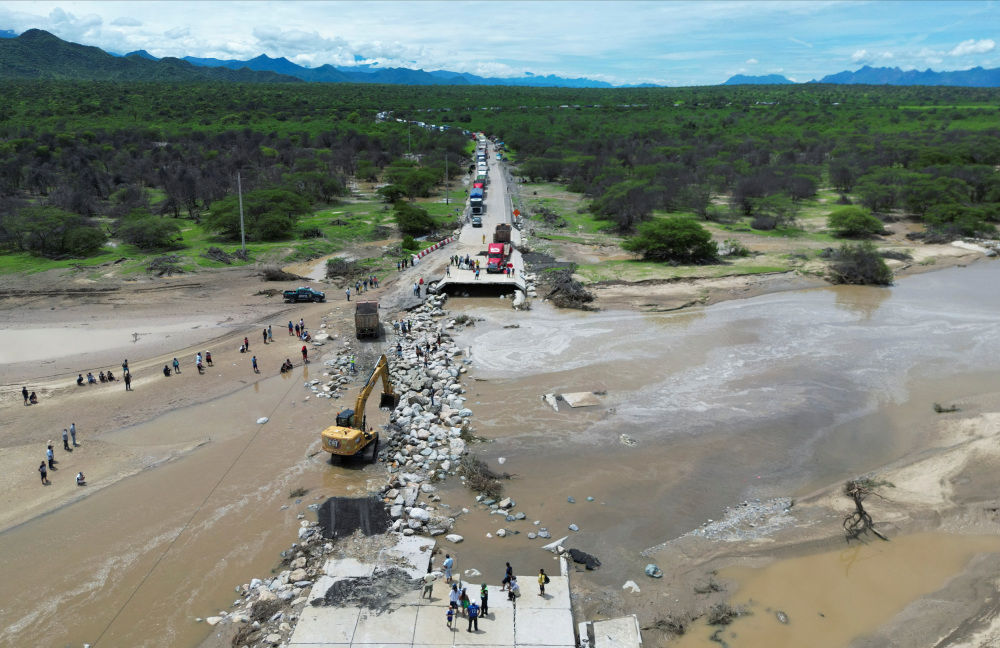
[37, 54]
[976, 77]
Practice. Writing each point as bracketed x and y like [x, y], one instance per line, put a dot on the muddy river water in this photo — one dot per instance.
[775, 395]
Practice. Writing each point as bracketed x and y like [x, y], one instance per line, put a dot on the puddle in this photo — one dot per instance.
[834, 597]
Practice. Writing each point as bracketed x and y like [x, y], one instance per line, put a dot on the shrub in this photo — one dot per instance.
[677, 240]
[860, 264]
[412, 219]
[733, 248]
[312, 232]
[409, 243]
[149, 233]
[853, 221]
[81, 241]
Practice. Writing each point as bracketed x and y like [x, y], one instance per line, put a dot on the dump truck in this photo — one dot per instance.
[303, 293]
[502, 233]
[366, 319]
[351, 436]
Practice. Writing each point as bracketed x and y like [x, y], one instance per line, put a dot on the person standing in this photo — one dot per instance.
[66, 440]
[128, 382]
[265, 336]
[449, 563]
[125, 366]
[270, 334]
[451, 611]
[72, 433]
[50, 456]
[254, 361]
[542, 582]
[473, 617]
[508, 576]
[429, 579]
[464, 600]
[348, 291]
[305, 354]
[290, 321]
[453, 597]
[208, 358]
[44, 473]
[353, 369]
[24, 392]
[484, 600]
[177, 366]
[246, 343]
[302, 324]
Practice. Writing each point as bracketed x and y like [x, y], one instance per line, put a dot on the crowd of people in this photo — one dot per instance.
[201, 361]
[460, 602]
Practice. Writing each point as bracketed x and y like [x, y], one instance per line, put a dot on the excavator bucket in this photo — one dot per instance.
[388, 401]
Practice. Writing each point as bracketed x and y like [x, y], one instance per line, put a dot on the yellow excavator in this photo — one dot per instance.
[351, 436]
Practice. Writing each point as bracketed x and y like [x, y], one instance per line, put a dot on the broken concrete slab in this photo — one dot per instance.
[581, 399]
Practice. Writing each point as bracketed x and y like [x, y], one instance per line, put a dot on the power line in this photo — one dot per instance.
[186, 524]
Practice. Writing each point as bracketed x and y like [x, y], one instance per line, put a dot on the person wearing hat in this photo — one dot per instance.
[50, 455]
[484, 600]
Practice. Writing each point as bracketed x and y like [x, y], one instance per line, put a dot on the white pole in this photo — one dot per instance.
[243, 234]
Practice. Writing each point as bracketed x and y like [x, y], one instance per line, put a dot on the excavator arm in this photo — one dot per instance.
[389, 397]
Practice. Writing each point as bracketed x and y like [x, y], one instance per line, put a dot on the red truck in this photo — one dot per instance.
[496, 257]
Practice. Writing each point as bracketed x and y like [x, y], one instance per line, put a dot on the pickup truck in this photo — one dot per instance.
[304, 293]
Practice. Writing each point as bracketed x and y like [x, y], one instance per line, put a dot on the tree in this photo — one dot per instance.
[625, 203]
[412, 219]
[860, 264]
[269, 214]
[853, 221]
[147, 232]
[674, 239]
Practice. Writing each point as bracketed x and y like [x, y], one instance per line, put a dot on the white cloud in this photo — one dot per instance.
[752, 61]
[973, 46]
[800, 42]
[126, 22]
[177, 32]
[864, 56]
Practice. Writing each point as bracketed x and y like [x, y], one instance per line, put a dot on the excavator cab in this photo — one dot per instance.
[346, 418]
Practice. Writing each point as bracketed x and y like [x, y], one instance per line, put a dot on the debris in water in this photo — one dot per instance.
[653, 571]
[262, 420]
[627, 440]
[782, 617]
[631, 584]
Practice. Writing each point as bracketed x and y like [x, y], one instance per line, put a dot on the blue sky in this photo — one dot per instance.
[670, 43]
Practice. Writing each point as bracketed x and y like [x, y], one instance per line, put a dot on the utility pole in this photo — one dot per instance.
[243, 234]
[447, 182]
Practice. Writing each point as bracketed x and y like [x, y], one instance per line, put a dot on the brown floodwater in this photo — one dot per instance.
[834, 597]
[775, 395]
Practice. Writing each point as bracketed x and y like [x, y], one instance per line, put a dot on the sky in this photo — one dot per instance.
[622, 42]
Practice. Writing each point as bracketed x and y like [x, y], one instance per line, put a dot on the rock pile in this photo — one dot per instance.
[426, 436]
[268, 609]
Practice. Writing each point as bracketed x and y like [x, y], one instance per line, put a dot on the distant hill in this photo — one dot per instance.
[768, 79]
[37, 54]
[7, 33]
[977, 77]
[366, 73]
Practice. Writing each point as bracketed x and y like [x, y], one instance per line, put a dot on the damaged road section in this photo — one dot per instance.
[376, 593]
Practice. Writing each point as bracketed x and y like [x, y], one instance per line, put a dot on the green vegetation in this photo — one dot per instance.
[854, 221]
[153, 166]
[677, 240]
[861, 264]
